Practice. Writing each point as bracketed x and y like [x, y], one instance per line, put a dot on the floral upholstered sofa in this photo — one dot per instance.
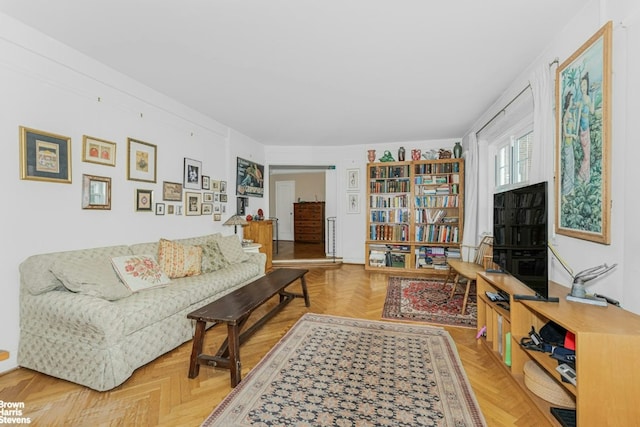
[93, 316]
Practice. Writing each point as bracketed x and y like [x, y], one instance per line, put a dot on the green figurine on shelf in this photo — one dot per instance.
[387, 157]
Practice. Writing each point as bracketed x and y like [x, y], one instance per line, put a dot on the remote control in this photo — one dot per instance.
[567, 373]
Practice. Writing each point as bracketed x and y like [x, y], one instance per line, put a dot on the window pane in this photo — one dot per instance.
[522, 157]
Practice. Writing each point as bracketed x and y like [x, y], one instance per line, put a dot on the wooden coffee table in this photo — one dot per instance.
[234, 309]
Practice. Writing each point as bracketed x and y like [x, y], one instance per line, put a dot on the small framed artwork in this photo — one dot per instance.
[96, 192]
[223, 198]
[217, 217]
[353, 179]
[44, 156]
[95, 150]
[192, 174]
[179, 210]
[215, 185]
[223, 186]
[141, 161]
[144, 200]
[171, 191]
[207, 209]
[170, 209]
[206, 185]
[353, 203]
[192, 203]
[216, 197]
[159, 208]
[207, 197]
[216, 208]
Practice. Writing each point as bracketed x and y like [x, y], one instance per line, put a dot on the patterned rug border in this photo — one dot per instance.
[392, 309]
[466, 392]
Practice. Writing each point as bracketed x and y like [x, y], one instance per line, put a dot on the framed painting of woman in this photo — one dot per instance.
[583, 145]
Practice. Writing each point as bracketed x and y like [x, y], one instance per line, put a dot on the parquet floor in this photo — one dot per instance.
[161, 394]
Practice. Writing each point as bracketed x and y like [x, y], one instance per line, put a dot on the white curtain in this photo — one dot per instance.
[543, 125]
[471, 173]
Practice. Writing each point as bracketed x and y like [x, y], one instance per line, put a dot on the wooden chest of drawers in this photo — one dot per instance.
[308, 222]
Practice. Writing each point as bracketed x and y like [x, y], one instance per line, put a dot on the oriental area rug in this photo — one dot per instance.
[427, 300]
[337, 371]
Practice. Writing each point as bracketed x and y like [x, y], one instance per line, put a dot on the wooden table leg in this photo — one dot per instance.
[198, 339]
[303, 281]
[234, 353]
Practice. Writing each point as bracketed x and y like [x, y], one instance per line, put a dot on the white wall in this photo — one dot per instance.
[47, 86]
[625, 237]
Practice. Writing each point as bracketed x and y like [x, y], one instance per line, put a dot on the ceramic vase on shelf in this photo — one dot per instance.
[371, 155]
[416, 154]
[401, 153]
[457, 150]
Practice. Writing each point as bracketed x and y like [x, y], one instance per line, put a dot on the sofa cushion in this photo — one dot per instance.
[205, 288]
[231, 248]
[35, 271]
[178, 260]
[139, 272]
[212, 257]
[96, 278]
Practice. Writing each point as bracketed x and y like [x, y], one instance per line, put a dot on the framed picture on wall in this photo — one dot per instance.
[353, 203]
[192, 203]
[171, 191]
[44, 156]
[353, 179]
[583, 142]
[192, 174]
[144, 200]
[95, 150]
[249, 178]
[96, 192]
[142, 158]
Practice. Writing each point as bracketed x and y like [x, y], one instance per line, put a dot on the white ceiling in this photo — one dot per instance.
[314, 72]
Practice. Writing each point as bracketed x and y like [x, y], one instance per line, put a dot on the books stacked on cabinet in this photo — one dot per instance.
[431, 257]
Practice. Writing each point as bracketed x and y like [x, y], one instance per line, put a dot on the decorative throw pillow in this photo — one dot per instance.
[179, 260]
[231, 248]
[95, 278]
[139, 272]
[212, 258]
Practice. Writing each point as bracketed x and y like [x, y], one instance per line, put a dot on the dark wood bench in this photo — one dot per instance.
[234, 309]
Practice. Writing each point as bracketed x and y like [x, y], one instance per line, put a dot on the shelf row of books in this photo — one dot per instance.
[437, 233]
[389, 215]
[389, 172]
[436, 168]
[390, 186]
[394, 201]
[435, 257]
[396, 232]
[430, 216]
[442, 190]
[450, 201]
[388, 255]
[437, 179]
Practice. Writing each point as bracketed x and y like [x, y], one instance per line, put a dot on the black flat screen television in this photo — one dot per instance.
[520, 235]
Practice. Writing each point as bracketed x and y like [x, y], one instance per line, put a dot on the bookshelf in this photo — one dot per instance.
[414, 215]
[607, 343]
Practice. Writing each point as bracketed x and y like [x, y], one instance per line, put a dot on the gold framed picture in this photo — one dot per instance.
[96, 192]
[144, 200]
[142, 159]
[44, 156]
[583, 142]
[95, 150]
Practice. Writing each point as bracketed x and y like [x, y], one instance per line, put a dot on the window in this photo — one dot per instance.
[513, 161]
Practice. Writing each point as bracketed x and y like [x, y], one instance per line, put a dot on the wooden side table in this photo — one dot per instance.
[261, 232]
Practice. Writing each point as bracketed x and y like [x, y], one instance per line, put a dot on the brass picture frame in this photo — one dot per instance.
[96, 192]
[44, 156]
[100, 151]
[142, 158]
[171, 191]
[144, 200]
[192, 203]
[583, 141]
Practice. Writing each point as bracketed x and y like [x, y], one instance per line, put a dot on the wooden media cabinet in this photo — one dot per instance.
[607, 343]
